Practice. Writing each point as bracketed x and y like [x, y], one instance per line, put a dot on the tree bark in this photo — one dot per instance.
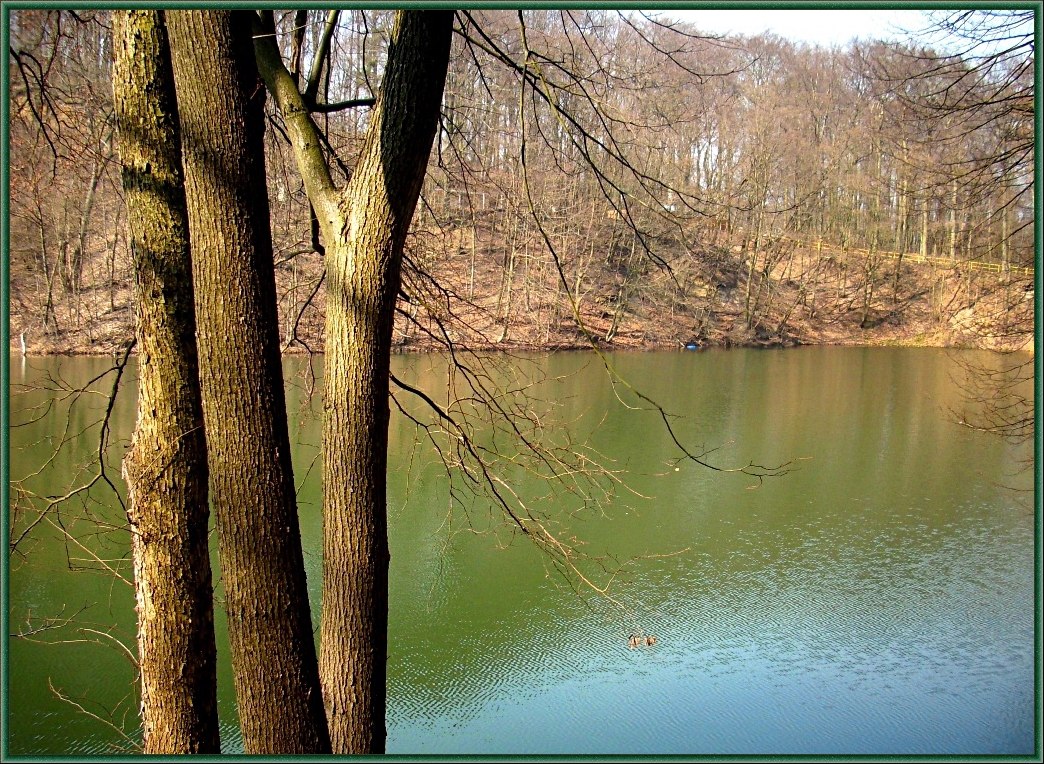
[270, 629]
[365, 228]
[363, 273]
[166, 466]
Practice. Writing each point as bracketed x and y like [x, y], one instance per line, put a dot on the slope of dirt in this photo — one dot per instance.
[475, 292]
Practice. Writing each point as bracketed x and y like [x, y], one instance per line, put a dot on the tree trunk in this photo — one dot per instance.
[363, 270]
[624, 292]
[74, 271]
[166, 466]
[1005, 264]
[270, 630]
[365, 227]
[471, 276]
[50, 311]
[924, 228]
[869, 280]
[509, 271]
[748, 314]
[116, 242]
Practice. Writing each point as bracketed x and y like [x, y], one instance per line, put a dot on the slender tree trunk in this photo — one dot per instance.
[506, 265]
[50, 312]
[554, 315]
[815, 279]
[869, 280]
[924, 228]
[166, 466]
[967, 228]
[1005, 264]
[112, 253]
[624, 292]
[471, 275]
[75, 271]
[221, 102]
[900, 234]
[509, 257]
[748, 314]
[525, 272]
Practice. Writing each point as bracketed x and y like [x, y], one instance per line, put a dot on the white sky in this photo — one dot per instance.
[821, 27]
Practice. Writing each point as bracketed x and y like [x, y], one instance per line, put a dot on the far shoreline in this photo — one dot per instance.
[939, 343]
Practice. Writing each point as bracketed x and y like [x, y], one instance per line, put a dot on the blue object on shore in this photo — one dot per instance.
[691, 346]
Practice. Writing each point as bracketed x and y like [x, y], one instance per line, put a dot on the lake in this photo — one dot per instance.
[878, 598]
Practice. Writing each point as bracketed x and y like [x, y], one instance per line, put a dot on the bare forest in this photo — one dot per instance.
[684, 190]
[212, 189]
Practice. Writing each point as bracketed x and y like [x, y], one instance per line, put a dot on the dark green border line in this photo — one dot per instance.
[5, 374]
[667, 5]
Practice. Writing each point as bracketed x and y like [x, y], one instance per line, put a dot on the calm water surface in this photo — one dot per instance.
[878, 598]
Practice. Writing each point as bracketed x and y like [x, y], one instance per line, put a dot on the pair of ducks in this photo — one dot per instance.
[636, 641]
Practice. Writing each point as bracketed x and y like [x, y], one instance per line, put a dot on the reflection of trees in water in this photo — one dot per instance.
[777, 540]
[999, 398]
[69, 429]
[974, 104]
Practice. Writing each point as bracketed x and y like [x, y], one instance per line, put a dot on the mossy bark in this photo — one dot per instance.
[166, 466]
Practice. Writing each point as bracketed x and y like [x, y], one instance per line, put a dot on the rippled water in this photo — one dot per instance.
[878, 598]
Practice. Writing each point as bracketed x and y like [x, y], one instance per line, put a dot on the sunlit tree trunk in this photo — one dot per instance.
[221, 101]
[363, 282]
[365, 228]
[166, 466]
[72, 267]
[924, 226]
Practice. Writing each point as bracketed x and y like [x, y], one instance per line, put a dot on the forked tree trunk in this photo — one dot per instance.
[364, 227]
[274, 664]
[363, 272]
[166, 466]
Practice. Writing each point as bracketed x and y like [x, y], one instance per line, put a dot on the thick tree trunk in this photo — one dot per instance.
[273, 653]
[363, 271]
[166, 466]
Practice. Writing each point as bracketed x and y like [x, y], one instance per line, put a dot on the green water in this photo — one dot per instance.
[877, 598]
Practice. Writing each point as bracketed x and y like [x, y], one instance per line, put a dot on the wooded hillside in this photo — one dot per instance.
[724, 191]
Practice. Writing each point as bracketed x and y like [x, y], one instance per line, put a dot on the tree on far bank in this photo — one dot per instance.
[977, 100]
